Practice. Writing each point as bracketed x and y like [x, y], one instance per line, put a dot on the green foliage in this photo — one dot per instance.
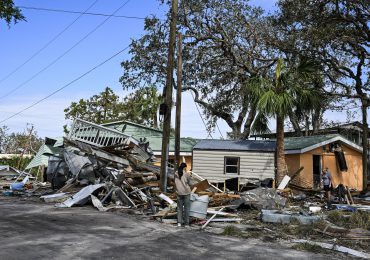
[219, 57]
[101, 108]
[310, 248]
[260, 124]
[356, 219]
[139, 107]
[9, 12]
[336, 34]
[13, 143]
[16, 162]
[142, 106]
[232, 231]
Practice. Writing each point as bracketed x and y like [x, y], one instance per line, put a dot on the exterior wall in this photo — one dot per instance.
[188, 160]
[253, 165]
[293, 162]
[352, 178]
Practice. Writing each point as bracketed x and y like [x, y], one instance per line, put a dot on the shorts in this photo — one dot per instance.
[327, 188]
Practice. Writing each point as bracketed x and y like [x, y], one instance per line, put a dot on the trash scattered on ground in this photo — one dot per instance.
[286, 217]
[341, 249]
[112, 171]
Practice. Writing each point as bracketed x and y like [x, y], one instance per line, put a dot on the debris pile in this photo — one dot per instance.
[112, 171]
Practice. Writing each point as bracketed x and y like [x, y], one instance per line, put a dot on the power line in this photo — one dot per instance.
[78, 12]
[63, 54]
[200, 114]
[63, 87]
[219, 130]
[47, 44]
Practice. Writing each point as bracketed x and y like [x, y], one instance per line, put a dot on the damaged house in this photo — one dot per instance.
[315, 153]
[246, 160]
[154, 138]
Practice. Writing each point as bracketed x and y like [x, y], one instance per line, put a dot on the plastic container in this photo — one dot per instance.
[198, 206]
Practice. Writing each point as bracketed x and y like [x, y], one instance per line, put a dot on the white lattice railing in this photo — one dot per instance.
[101, 136]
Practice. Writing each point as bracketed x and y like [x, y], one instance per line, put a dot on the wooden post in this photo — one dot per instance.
[178, 102]
[168, 97]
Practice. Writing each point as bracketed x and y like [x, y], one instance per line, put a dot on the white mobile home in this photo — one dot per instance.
[218, 160]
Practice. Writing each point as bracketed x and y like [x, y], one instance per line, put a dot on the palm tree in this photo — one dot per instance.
[277, 97]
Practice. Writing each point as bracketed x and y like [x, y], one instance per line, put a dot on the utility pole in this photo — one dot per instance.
[178, 102]
[166, 107]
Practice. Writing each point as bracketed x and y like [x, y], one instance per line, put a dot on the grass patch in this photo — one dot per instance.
[232, 231]
[356, 219]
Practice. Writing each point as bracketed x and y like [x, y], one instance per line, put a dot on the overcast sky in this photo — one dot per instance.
[84, 47]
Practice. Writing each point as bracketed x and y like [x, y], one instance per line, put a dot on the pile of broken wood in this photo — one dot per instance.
[119, 178]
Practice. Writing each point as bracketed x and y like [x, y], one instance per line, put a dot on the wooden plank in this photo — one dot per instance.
[349, 195]
[201, 186]
[346, 197]
[226, 196]
[226, 219]
[209, 220]
[210, 211]
[201, 178]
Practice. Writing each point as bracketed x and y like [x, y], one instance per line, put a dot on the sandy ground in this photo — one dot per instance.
[35, 230]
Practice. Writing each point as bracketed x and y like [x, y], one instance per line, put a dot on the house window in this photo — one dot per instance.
[232, 165]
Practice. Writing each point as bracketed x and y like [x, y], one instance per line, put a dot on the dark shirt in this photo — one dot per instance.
[326, 177]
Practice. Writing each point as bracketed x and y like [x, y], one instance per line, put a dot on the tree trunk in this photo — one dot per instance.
[316, 114]
[295, 123]
[364, 144]
[248, 122]
[155, 120]
[280, 156]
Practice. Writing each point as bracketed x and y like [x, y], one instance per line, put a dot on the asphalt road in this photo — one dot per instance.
[33, 230]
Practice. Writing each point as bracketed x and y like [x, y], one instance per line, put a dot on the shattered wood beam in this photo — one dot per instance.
[209, 220]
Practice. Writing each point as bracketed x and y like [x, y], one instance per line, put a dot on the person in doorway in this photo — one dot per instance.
[326, 178]
[182, 180]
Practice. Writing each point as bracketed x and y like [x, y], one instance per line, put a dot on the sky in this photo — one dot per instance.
[86, 43]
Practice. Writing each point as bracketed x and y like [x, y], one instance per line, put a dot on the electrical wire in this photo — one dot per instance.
[47, 44]
[65, 86]
[78, 12]
[200, 114]
[219, 131]
[64, 53]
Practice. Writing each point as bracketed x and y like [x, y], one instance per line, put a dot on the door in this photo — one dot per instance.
[316, 171]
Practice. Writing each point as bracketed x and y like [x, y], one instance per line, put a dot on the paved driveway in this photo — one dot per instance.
[32, 230]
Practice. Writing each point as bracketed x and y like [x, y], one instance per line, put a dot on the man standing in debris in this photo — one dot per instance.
[182, 180]
[326, 178]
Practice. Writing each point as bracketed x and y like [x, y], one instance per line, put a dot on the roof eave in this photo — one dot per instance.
[331, 140]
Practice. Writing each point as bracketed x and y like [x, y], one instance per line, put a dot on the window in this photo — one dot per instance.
[232, 165]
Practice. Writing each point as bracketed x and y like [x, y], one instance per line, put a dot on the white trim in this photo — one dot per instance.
[336, 138]
[173, 153]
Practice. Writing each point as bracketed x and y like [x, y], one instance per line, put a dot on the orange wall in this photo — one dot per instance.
[188, 160]
[351, 178]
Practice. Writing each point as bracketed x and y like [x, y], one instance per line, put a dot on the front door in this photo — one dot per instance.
[316, 171]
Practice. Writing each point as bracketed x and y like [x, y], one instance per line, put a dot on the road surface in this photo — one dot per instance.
[36, 230]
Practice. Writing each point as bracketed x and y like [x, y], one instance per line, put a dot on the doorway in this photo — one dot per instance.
[317, 168]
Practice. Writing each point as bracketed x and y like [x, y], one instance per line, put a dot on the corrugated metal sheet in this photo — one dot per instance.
[253, 165]
[42, 156]
[236, 145]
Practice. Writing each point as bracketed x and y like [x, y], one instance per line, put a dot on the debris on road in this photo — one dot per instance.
[109, 170]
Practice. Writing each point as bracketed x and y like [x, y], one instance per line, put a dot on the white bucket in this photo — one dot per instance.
[198, 206]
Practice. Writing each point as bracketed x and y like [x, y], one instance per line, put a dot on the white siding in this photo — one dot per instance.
[253, 165]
